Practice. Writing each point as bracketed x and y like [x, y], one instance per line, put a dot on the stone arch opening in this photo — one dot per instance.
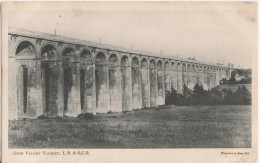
[197, 76]
[152, 64]
[135, 62]
[49, 52]
[189, 76]
[22, 88]
[166, 65]
[70, 82]
[178, 66]
[82, 88]
[50, 88]
[49, 79]
[183, 67]
[145, 83]
[124, 61]
[188, 67]
[86, 80]
[197, 68]
[85, 56]
[47, 88]
[173, 77]
[114, 84]
[167, 78]
[25, 49]
[173, 65]
[113, 61]
[25, 84]
[159, 64]
[101, 82]
[67, 86]
[100, 58]
[136, 84]
[179, 78]
[144, 63]
[153, 83]
[184, 74]
[86, 86]
[160, 83]
[126, 84]
[194, 77]
[68, 55]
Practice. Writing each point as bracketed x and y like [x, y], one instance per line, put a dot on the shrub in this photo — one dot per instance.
[109, 112]
[199, 96]
[48, 117]
[86, 116]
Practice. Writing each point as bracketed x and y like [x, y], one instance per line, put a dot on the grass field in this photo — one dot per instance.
[162, 127]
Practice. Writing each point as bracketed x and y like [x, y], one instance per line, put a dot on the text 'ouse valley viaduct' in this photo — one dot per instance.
[57, 76]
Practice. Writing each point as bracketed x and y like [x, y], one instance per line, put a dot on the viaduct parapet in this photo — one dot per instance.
[56, 76]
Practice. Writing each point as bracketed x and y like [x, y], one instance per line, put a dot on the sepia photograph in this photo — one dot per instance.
[130, 76]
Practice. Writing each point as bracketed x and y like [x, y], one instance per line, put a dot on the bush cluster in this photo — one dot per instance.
[199, 96]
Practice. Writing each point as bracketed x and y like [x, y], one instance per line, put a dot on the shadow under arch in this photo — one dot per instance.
[126, 84]
[115, 96]
[69, 82]
[86, 81]
[49, 79]
[101, 82]
[136, 84]
[22, 89]
[145, 83]
[153, 83]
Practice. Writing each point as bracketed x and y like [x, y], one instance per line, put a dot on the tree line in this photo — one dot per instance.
[199, 96]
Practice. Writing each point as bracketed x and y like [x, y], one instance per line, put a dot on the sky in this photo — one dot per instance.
[210, 32]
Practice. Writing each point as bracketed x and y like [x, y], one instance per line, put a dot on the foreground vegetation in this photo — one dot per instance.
[162, 127]
[199, 96]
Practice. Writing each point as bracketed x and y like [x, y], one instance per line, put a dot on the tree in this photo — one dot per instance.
[198, 96]
[171, 97]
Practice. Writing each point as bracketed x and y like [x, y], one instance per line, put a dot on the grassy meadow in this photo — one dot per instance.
[226, 126]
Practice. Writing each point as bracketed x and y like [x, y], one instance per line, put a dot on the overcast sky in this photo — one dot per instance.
[214, 32]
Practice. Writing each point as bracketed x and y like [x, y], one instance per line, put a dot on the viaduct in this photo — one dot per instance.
[59, 76]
